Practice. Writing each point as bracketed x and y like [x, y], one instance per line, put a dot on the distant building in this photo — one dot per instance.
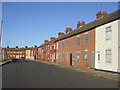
[20, 53]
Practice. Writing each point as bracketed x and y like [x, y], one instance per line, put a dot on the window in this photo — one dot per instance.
[62, 56]
[59, 57]
[108, 33]
[108, 56]
[86, 55]
[78, 41]
[78, 56]
[62, 44]
[67, 43]
[98, 57]
[86, 38]
[67, 56]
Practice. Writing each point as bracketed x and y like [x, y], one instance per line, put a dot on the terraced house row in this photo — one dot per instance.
[95, 45]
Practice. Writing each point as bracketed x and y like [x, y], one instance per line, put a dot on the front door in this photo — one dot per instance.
[93, 60]
[70, 59]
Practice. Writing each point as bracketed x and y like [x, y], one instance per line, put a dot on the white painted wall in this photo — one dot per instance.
[119, 46]
[27, 54]
[102, 44]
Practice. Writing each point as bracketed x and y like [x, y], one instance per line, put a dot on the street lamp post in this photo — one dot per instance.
[8, 42]
[1, 50]
[6, 48]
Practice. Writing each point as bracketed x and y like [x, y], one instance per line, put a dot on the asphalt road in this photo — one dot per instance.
[24, 74]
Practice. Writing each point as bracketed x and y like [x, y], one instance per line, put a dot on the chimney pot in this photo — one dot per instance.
[26, 47]
[7, 46]
[16, 46]
[35, 46]
[78, 24]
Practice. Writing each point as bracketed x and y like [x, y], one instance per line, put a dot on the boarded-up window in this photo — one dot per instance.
[67, 43]
[62, 44]
[78, 41]
[86, 38]
[67, 55]
[62, 56]
[108, 33]
[108, 56]
[86, 55]
[78, 56]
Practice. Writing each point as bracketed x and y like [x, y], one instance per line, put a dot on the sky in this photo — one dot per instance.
[30, 23]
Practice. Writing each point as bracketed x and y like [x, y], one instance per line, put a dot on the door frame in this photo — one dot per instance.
[92, 61]
[71, 56]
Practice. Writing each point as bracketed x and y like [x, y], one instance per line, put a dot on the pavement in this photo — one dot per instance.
[97, 73]
[3, 63]
[34, 74]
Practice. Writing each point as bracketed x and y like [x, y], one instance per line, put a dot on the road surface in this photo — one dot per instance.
[31, 74]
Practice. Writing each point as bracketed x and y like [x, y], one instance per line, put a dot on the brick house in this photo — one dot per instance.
[19, 53]
[77, 46]
[15, 52]
[47, 51]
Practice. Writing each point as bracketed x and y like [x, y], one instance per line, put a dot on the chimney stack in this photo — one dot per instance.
[16, 46]
[26, 47]
[45, 41]
[101, 14]
[79, 24]
[60, 34]
[68, 30]
[52, 38]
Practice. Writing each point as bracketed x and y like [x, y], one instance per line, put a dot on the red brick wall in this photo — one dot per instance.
[74, 48]
[11, 54]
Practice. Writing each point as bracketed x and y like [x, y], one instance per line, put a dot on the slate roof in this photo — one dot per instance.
[92, 25]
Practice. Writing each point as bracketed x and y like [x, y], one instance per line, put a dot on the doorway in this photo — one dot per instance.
[71, 59]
